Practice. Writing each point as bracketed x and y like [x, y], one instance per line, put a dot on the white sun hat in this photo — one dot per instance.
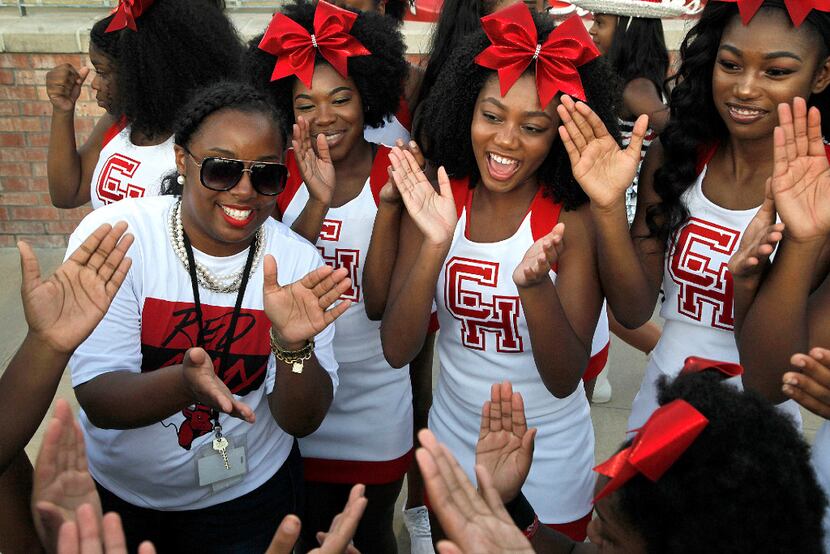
[658, 9]
[560, 7]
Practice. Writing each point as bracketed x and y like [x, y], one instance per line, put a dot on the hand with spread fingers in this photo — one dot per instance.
[473, 522]
[602, 169]
[63, 86]
[433, 212]
[390, 193]
[300, 310]
[540, 258]
[316, 166]
[64, 309]
[758, 241]
[208, 389]
[505, 444]
[84, 536]
[801, 173]
[810, 384]
[337, 540]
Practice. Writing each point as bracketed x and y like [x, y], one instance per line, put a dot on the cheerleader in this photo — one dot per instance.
[149, 57]
[484, 246]
[332, 198]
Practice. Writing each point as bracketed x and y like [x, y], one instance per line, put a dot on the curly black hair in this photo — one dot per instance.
[746, 484]
[180, 47]
[379, 77]
[104, 41]
[695, 123]
[395, 9]
[443, 128]
[638, 50]
[220, 96]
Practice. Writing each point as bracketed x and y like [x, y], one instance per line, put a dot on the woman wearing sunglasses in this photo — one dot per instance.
[333, 198]
[187, 412]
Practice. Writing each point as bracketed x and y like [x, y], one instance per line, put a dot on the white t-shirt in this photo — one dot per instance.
[150, 324]
[125, 170]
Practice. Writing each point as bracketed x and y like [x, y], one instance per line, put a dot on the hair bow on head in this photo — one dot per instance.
[126, 13]
[693, 364]
[670, 430]
[295, 48]
[797, 9]
[515, 46]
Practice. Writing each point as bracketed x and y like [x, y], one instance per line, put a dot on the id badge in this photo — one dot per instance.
[218, 471]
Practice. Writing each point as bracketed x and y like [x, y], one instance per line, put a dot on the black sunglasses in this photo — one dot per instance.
[223, 174]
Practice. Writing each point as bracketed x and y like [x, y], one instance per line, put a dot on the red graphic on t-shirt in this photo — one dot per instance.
[114, 182]
[340, 257]
[168, 329]
[700, 277]
[477, 314]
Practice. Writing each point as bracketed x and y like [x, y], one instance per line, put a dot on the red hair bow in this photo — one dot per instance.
[515, 46]
[295, 48]
[694, 364]
[797, 9]
[126, 14]
[667, 434]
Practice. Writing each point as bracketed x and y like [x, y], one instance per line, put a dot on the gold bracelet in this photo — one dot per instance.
[294, 357]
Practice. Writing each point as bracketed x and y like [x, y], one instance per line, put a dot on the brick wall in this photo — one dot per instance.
[25, 112]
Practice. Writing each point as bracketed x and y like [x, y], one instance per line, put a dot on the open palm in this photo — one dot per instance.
[600, 166]
[540, 258]
[758, 241]
[66, 307]
[316, 167]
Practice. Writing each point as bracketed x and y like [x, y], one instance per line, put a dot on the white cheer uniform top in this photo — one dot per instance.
[150, 324]
[396, 127]
[366, 436]
[125, 170]
[484, 339]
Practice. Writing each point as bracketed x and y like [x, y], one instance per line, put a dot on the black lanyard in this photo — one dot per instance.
[194, 282]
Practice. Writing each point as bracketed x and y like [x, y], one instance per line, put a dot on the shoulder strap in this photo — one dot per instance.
[404, 115]
[704, 155]
[460, 193]
[544, 215]
[292, 184]
[379, 174]
[114, 129]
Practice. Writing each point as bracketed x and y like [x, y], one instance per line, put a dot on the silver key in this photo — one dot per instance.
[220, 444]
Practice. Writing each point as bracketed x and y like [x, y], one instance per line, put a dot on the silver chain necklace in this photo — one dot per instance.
[218, 283]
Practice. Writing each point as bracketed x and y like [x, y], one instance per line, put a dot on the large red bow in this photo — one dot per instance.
[667, 434]
[515, 45]
[295, 48]
[126, 14]
[798, 9]
[693, 364]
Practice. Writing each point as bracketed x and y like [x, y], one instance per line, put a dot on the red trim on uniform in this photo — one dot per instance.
[596, 364]
[576, 530]
[292, 184]
[114, 130]
[460, 191]
[379, 174]
[544, 215]
[404, 115]
[433, 323]
[352, 471]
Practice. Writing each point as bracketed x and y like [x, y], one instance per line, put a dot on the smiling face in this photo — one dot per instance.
[103, 83]
[332, 106]
[761, 65]
[223, 223]
[602, 31]
[609, 531]
[511, 134]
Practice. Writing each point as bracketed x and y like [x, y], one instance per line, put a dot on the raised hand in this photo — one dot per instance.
[208, 389]
[389, 193]
[433, 212]
[316, 167]
[539, 258]
[300, 310]
[64, 309]
[758, 241]
[63, 86]
[801, 173]
[61, 481]
[473, 522]
[602, 169]
[810, 386]
[338, 538]
[505, 445]
[83, 536]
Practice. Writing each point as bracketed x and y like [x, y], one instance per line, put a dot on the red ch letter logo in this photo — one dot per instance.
[700, 280]
[476, 314]
[113, 184]
[343, 257]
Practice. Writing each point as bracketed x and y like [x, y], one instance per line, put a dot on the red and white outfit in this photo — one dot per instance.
[698, 304]
[125, 170]
[484, 339]
[396, 127]
[366, 436]
[150, 324]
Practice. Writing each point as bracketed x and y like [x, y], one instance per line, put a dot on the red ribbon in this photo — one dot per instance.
[667, 434]
[126, 13]
[295, 48]
[797, 9]
[515, 45]
[694, 364]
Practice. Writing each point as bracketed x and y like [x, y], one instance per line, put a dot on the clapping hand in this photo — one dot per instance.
[316, 167]
[810, 386]
[83, 536]
[389, 193]
[540, 258]
[206, 388]
[602, 169]
[758, 241]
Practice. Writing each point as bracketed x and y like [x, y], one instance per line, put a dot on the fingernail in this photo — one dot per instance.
[790, 381]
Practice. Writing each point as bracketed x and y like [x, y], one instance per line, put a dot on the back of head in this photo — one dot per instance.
[744, 485]
[639, 50]
[102, 40]
[180, 47]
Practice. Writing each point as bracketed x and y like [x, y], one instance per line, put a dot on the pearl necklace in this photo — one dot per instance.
[218, 283]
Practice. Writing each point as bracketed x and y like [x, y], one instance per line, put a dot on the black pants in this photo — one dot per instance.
[244, 525]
